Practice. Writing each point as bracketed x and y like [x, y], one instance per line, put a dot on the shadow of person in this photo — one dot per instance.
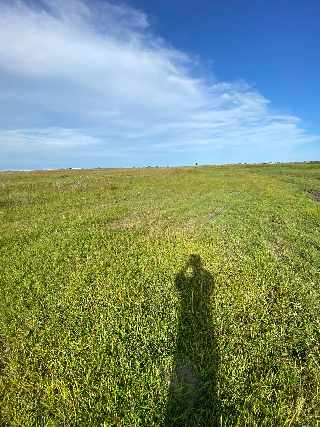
[192, 397]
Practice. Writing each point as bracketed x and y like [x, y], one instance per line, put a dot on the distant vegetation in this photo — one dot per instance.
[149, 297]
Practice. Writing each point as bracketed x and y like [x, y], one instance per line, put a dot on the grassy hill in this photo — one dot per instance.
[141, 297]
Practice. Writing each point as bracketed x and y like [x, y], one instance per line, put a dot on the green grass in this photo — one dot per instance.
[100, 319]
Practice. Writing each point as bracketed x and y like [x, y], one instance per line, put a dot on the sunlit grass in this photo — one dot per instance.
[90, 314]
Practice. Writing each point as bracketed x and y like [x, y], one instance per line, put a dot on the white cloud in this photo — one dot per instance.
[52, 137]
[92, 73]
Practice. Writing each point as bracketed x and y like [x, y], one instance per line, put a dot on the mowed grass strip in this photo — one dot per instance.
[90, 313]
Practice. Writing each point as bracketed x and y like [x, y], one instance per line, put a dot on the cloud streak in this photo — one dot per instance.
[93, 75]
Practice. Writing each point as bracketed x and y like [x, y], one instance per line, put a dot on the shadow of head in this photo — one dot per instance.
[195, 263]
[194, 275]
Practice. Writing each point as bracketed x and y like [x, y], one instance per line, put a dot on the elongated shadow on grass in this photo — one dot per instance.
[192, 398]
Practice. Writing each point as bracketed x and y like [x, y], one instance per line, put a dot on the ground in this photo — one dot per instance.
[101, 322]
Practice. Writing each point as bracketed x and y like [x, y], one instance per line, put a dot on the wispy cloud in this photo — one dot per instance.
[92, 74]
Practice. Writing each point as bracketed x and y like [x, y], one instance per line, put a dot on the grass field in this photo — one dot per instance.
[158, 297]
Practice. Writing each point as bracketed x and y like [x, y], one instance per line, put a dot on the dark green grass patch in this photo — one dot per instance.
[160, 297]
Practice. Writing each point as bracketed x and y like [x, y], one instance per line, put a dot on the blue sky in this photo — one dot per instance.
[98, 83]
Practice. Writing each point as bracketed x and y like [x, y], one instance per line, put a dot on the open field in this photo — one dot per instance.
[141, 297]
